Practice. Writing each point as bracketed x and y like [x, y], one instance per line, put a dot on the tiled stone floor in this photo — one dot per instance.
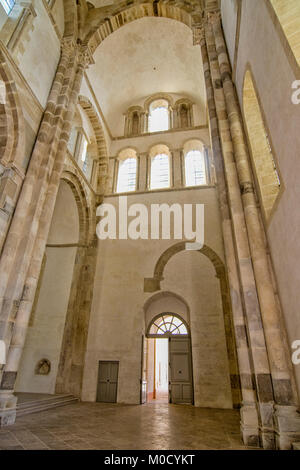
[109, 427]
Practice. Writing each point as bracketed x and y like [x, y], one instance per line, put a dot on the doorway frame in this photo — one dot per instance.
[168, 336]
[117, 390]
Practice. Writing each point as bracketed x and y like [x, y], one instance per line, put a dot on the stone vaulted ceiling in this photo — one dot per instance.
[147, 56]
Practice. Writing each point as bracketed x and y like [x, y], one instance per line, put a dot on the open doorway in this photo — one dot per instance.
[157, 370]
[167, 362]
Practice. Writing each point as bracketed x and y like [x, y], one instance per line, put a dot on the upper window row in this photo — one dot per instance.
[8, 5]
[160, 169]
[159, 115]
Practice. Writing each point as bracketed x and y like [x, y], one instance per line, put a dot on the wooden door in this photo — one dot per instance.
[108, 382]
[180, 371]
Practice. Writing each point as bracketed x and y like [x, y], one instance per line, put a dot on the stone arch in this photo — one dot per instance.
[180, 121]
[153, 285]
[157, 97]
[116, 17]
[134, 121]
[264, 163]
[100, 140]
[287, 13]
[166, 301]
[159, 147]
[12, 133]
[85, 212]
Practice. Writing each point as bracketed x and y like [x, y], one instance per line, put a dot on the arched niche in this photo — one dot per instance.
[263, 159]
[165, 302]
[153, 285]
[64, 227]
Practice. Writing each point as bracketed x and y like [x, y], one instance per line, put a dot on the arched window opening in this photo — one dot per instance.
[160, 171]
[264, 166]
[195, 170]
[83, 156]
[288, 13]
[159, 116]
[73, 140]
[167, 325]
[127, 171]
[8, 5]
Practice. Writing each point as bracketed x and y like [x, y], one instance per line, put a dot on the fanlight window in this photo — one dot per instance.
[127, 175]
[159, 116]
[168, 325]
[195, 171]
[8, 5]
[160, 171]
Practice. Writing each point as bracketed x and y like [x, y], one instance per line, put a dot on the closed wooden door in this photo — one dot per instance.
[180, 367]
[108, 382]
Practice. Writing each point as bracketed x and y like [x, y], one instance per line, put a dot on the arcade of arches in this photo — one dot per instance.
[164, 102]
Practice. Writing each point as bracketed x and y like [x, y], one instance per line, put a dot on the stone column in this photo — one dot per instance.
[249, 415]
[287, 420]
[143, 169]
[248, 285]
[72, 357]
[26, 266]
[177, 169]
[254, 268]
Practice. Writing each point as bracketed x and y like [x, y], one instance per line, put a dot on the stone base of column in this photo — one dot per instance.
[287, 426]
[267, 432]
[249, 426]
[8, 408]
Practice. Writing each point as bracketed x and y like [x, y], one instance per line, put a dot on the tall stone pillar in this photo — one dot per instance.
[72, 357]
[143, 169]
[249, 414]
[23, 252]
[177, 168]
[287, 420]
[272, 369]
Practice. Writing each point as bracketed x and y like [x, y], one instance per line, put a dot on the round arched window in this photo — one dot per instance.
[167, 325]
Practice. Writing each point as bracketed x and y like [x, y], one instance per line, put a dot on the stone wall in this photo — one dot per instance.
[117, 321]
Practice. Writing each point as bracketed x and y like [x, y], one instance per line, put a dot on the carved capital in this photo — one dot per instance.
[214, 17]
[198, 35]
[85, 57]
[68, 45]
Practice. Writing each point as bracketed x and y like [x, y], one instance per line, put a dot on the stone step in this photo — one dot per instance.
[296, 446]
[42, 404]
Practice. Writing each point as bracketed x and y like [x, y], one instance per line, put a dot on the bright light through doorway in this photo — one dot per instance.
[162, 370]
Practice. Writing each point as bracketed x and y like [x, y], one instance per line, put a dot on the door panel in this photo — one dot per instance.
[144, 370]
[181, 387]
[107, 382]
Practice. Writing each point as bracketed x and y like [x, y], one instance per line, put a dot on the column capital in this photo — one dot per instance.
[85, 56]
[198, 35]
[214, 17]
[68, 44]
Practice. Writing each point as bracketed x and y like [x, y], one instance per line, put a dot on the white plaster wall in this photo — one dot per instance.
[261, 47]
[44, 337]
[38, 59]
[174, 140]
[117, 321]
[229, 10]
